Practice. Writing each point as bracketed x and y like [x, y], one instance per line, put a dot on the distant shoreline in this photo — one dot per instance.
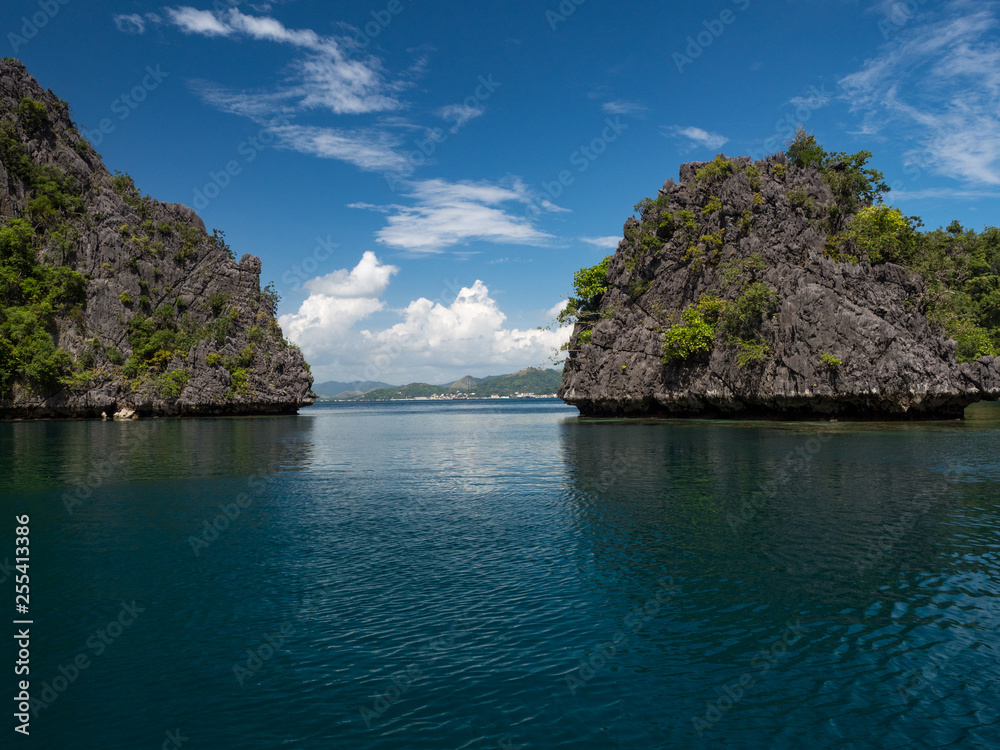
[438, 398]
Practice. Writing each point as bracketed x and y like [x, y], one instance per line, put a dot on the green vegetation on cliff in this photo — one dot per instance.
[960, 267]
[33, 293]
[110, 298]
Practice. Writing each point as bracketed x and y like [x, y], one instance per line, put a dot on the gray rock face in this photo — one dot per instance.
[141, 256]
[893, 363]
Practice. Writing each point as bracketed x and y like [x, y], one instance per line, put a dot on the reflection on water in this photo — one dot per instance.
[55, 453]
[880, 541]
[470, 575]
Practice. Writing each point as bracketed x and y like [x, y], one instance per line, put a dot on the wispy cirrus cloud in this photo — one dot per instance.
[696, 136]
[938, 83]
[605, 243]
[327, 77]
[900, 196]
[459, 114]
[623, 107]
[135, 23]
[445, 214]
[372, 149]
[194, 21]
[329, 74]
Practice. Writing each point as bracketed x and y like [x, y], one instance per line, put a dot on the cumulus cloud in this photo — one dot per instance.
[937, 82]
[433, 341]
[697, 136]
[336, 302]
[445, 214]
[554, 311]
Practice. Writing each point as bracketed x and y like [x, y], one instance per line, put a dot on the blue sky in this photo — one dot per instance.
[421, 180]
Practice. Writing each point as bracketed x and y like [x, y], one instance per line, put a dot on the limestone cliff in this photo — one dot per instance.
[726, 299]
[110, 300]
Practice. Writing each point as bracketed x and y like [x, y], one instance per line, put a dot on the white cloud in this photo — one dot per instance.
[698, 136]
[816, 100]
[448, 214]
[900, 196]
[432, 342]
[557, 308]
[345, 86]
[459, 114]
[323, 77]
[366, 148]
[326, 77]
[336, 302]
[193, 21]
[938, 83]
[367, 279]
[622, 107]
[605, 243]
[131, 23]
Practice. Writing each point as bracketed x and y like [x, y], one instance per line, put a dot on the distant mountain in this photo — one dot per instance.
[336, 389]
[532, 380]
[412, 390]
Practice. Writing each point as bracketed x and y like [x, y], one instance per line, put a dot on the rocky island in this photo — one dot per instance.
[113, 303]
[785, 288]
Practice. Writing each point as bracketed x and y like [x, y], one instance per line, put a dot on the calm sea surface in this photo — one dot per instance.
[505, 575]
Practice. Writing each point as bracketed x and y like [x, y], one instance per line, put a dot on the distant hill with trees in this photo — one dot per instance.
[532, 380]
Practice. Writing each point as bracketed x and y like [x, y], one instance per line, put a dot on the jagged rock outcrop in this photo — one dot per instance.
[838, 340]
[168, 322]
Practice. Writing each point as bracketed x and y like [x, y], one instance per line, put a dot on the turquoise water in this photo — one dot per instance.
[507, 575]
